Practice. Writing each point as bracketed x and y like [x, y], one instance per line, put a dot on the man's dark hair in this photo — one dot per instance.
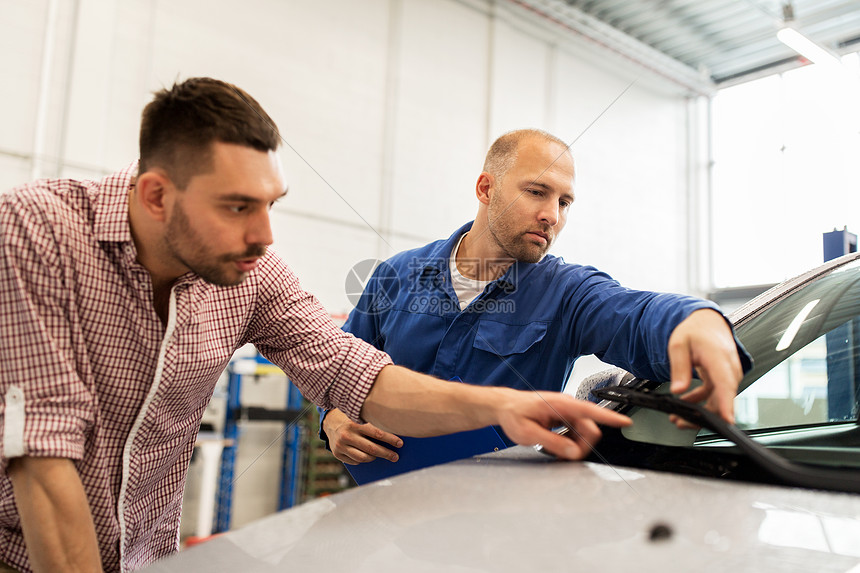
[179, 126]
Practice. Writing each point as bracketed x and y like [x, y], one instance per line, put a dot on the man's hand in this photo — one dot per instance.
[704, 341]
[351, 443]
[414, 404]
[527, 417]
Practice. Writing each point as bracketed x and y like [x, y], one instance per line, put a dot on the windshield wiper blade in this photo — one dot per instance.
[786, 471]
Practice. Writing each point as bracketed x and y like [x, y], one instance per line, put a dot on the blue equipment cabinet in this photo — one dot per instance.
[843, 366]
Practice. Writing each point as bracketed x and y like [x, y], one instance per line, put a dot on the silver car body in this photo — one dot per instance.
[520, 510]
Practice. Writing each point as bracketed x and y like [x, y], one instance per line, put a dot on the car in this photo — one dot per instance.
[649, 498]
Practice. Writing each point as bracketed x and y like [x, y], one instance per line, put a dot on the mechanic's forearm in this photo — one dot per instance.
[55, 516]
[412, 404]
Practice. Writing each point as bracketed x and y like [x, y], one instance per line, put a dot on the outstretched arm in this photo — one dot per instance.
[413, 404]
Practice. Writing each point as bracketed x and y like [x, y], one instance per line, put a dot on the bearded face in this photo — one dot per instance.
[519, 240]
[529, 203]
[193, 249]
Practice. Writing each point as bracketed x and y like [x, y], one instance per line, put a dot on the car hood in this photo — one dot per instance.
[518, 510]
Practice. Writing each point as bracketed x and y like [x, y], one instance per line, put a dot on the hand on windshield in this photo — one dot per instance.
[704, 341]
[351, 443]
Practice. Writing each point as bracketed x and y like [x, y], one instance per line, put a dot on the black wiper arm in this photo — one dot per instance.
[788, 472]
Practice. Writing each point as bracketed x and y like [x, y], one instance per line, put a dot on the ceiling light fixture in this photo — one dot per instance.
[789, 36]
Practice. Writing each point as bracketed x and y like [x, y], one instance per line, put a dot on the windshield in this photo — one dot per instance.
[806, 351]
[806, 348]
[800, 400]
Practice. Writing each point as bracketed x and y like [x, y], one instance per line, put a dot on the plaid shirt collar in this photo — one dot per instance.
[110, 206]
[110, 209]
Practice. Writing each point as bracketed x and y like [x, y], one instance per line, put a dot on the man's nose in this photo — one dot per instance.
[259, 231]
[549, 213]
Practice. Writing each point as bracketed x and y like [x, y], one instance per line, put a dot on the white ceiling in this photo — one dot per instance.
[728, 40]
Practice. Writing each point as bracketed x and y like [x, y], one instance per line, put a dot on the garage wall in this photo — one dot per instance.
[387, 108]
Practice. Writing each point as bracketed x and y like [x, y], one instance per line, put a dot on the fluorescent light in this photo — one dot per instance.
[805, 47]
[792, 329]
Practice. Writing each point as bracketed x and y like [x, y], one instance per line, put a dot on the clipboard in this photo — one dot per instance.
[418, 453]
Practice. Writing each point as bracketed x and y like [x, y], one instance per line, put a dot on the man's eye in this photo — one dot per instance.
[237, 208]
[534, 191]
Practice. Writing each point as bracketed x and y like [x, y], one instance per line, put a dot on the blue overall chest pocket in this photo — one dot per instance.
[507, 339]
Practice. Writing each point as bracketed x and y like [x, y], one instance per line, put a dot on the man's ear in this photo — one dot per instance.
[153, 189]
[485, 187]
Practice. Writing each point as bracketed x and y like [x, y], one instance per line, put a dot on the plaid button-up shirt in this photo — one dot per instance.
[89, 372]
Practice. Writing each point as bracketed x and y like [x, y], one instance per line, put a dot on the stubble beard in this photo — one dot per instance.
[511, 241]
[186, 245]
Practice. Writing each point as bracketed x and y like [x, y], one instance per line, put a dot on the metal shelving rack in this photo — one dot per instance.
[237, 414]
[324, 474]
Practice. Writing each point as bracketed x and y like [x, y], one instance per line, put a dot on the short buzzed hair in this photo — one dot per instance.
[179, 126]
[503, 152]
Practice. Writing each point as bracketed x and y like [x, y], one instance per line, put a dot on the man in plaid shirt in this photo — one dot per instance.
[121, 302]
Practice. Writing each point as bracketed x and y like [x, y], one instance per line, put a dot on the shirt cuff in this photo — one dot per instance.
[64, 439]
[349, 396]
